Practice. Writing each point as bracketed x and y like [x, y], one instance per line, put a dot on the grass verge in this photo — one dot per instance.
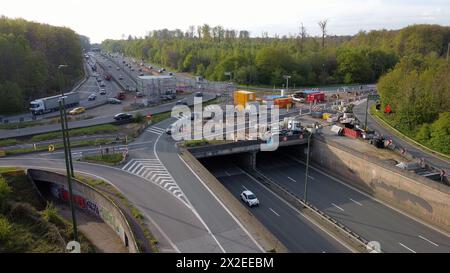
[105, 158]
[406, 136]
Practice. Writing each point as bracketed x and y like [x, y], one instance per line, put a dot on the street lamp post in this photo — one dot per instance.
[307, 167]
[67, 152]
[287, 77]
[228, 73]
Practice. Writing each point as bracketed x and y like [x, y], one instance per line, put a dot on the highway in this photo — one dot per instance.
[174, 224]
[434, 160]
[291, 227]
[372, 220]
[158, 162]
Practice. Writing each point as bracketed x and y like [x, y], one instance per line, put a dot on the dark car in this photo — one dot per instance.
[123, 116]
[181, 102]
[199, 94]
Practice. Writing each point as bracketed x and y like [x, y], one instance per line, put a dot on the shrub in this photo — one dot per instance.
[5, 229]
[5, 189]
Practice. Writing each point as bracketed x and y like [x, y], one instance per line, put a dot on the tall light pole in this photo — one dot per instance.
[287, 77]
[228, 73]
[67, 153]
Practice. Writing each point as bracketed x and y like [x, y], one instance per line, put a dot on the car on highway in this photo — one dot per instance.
[170, 74]
[170, 130]
[249, 198]
[102, 84]
[77, 110]
[103, 91]
[132, 69]
[98, 79]
[118, 68]
[139, 94]
[113, 101]
[198, 94]
[141, 74]
[92, 97]
[123, 116]
[181, 102]
[120, 77]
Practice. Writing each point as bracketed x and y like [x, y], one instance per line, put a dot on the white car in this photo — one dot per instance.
[249, 198]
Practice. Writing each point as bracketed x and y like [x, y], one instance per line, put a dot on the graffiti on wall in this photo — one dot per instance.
[61, 193]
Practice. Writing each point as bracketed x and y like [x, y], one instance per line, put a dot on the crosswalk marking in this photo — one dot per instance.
[154, 171]
[155, 130]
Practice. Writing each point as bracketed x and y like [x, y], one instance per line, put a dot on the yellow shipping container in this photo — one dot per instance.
[243, 97]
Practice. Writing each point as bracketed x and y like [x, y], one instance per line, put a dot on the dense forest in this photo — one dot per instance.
[30, 54]
[418, 92]
[411, 63]
[212, 51]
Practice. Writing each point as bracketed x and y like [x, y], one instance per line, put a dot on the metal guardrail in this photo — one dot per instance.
[351, 234]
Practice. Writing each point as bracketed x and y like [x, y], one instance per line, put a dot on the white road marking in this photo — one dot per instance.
[373, 198]
[421, 237]
[293, 180]
[310, 177]
[226, 209]
[337, 206]
[244, 187]
[407, 247]
[356, 202]
[227, 173]
[274, 212]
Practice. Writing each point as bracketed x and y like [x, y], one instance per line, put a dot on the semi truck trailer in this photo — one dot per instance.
[51, 104]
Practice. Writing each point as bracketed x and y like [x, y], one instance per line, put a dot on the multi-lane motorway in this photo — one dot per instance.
[374, 221]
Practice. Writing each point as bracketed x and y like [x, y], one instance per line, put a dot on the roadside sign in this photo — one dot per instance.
[51, 148]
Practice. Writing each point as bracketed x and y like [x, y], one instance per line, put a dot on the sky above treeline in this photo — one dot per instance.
[109, 19]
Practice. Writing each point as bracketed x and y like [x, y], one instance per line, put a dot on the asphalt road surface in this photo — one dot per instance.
[292, 228]
[372, 220]
[159, 163]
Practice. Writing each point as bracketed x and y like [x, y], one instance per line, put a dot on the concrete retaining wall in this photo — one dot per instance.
[89, 199]
[409, 192]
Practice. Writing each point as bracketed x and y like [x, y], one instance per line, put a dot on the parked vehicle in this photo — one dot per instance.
[198, 94]
[139, 94]
[102, 84]
[77, 110]
[50, 104]
[103, 91]
[107, 77]
[249, 198]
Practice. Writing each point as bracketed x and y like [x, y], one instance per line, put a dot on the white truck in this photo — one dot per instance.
[51, 104]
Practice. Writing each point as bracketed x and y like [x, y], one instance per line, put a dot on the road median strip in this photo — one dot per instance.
[330, 224]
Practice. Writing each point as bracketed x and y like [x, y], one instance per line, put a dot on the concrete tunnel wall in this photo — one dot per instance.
[420, 197]
[93, 202]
